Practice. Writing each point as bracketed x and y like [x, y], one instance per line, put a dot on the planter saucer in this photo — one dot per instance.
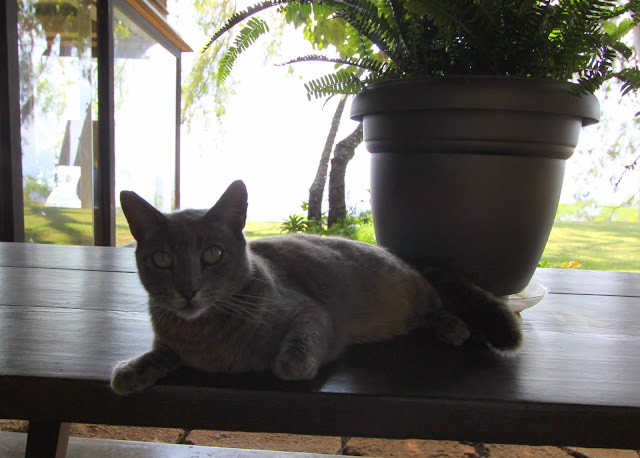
[530, 296]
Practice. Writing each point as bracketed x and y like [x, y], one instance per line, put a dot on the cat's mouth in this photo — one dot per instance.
[190, 310]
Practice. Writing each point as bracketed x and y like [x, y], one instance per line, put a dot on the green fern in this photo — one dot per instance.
[577, 40]
[247, 36]
[364, 63]
[343, 81]
[241, 16]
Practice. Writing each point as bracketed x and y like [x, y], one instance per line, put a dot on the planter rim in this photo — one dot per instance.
[476, 93]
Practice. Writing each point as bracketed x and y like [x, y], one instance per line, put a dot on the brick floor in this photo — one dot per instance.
[394, 448]
[379, 448]
[279, 442]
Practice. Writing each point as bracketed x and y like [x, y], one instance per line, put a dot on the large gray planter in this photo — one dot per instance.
[467, 171]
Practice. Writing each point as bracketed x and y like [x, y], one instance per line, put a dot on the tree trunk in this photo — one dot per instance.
[316, 191]
[344, 152]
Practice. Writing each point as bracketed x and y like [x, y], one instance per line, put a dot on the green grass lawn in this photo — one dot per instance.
[596, 245]
[256, 230]
[73, 226]
[66, 226]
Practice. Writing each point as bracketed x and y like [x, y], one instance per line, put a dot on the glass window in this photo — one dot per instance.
[58, 108]
[145, 116]
[59, 117]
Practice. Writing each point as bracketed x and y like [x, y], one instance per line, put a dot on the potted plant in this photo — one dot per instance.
[470, 109]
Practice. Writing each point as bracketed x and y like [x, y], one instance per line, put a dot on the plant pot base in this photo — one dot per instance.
[485, 216]
[467, 170]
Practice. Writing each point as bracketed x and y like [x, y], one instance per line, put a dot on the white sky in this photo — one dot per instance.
[272, 138]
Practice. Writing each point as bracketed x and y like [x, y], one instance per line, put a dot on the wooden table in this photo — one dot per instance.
[68, 314]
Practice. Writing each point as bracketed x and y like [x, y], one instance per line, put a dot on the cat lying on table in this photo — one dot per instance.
[287, 304]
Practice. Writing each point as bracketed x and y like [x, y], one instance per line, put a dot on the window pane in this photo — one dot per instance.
[145, 116]
[58, 109]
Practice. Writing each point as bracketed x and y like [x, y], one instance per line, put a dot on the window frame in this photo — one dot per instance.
[11, 197]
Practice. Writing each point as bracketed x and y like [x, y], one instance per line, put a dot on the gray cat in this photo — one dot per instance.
[287, 304]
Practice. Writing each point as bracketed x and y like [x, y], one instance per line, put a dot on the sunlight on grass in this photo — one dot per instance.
[66, 226]
[256, 230]
[595, 245]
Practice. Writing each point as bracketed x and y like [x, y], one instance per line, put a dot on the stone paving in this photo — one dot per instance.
[381, 448]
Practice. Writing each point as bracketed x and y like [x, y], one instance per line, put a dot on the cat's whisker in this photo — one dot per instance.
[141, 304]
[258, 299]
[248, 310]
[264, 304]
[237, 311]
[259, 280]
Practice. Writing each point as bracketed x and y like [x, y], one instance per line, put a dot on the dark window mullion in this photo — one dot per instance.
[104, 190]
[11, 201]
[178, 121]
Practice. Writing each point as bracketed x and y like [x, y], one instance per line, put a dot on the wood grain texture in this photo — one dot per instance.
[576, 380]
[66, 257]
[73, 289]
[597, 282]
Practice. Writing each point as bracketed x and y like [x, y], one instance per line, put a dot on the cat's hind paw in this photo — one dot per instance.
[449, 329]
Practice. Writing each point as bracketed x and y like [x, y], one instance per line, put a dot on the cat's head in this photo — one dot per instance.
[191, 259]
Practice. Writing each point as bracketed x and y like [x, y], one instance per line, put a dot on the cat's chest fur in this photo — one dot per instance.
[219, 344]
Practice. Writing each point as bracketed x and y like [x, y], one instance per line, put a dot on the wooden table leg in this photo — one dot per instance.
[47, 440]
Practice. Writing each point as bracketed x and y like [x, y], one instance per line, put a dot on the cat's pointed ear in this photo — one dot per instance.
[140, 214]
[231, 208]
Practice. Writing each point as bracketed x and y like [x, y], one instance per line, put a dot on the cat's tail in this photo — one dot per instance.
[487, 316]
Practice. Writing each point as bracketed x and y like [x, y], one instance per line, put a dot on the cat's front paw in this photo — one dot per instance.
[130, 377]
[295, 364]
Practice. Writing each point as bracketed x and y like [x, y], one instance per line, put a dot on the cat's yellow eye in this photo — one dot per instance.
[162, 260]
[212, 255]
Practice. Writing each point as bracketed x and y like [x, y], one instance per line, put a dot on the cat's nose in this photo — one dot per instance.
[189, 294]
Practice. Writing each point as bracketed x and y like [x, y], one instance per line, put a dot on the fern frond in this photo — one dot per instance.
[373, 66]
[241, 16]
[248, 35]
[341, 82]
[630, 78]
[365, 17]
[561, 39]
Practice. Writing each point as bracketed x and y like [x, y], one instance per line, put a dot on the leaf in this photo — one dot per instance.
[577, 40]
[364, 63]
[341, 82]
[241, 16]
[247, 36]
[619, 31]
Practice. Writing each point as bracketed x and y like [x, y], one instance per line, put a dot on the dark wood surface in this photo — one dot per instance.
[68, 314]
